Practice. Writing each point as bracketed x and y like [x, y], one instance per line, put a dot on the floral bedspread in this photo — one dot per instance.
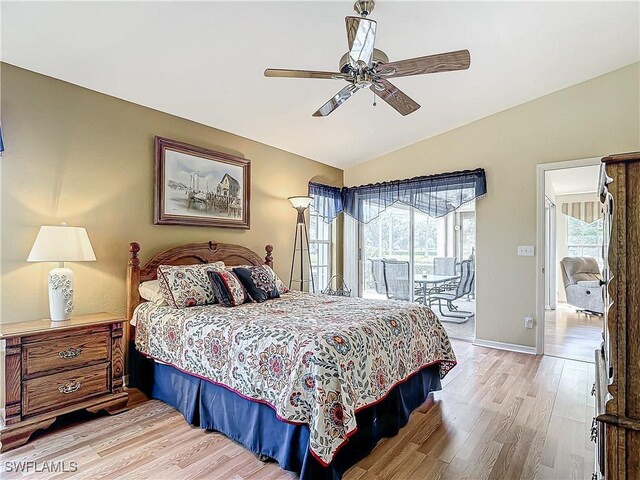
[315, 359]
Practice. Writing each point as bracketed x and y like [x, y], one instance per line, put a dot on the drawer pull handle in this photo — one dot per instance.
[593, 390]
[70, 387]
[70, 353]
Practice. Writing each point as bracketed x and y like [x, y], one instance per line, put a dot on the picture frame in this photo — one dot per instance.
[198, 186]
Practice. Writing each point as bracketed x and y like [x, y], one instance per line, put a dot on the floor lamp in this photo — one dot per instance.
[301, 244]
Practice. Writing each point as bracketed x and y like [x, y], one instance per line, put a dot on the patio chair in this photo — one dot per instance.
[396, 279]
[472, 290]
[444, 265]
[459, 289]
[377, 272]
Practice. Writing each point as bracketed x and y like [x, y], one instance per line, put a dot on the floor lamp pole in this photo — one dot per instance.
[301, 204]
[301, 225]
[293, 258]
[306, 234]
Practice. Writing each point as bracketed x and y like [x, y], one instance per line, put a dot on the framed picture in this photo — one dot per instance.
[198, 186]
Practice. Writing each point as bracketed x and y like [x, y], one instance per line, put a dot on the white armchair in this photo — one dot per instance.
[582, 283]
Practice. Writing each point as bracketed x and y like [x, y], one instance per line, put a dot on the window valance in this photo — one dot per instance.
[588, 212]
[435, 195]
[327, 200]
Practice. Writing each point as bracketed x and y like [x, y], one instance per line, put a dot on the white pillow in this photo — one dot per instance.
[151, 292]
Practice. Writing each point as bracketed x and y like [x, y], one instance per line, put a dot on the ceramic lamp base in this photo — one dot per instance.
[60, 294]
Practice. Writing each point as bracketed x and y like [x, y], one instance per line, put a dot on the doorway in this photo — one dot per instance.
[408, 255]
[570, 260]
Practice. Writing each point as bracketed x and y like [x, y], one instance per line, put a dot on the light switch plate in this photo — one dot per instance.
[526, 250]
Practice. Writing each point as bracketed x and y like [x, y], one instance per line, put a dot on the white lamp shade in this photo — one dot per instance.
[300, 202]
[62, 244]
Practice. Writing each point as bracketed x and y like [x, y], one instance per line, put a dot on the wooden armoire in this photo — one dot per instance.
[616, 428]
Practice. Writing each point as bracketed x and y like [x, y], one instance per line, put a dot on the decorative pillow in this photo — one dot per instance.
[151, 292]
[259, 281]
[228, 289]
[187, 285]
[282, 288]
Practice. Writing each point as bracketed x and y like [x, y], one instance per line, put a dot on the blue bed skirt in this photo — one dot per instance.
[256, 426]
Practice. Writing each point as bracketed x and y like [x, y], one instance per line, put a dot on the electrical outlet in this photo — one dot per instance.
[528, 321]
[526, 250]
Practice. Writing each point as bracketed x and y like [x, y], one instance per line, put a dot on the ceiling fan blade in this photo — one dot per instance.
[361, 36]
[442, 62]
[395, 97]
[280, 72]
[341, 97]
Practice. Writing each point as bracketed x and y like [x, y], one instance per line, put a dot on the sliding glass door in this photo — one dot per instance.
[423, 255]
[429, 242]
[387, 237]
[466, 234]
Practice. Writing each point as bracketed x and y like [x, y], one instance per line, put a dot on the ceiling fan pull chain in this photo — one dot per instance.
[374, 99]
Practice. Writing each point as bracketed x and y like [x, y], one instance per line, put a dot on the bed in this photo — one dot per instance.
[309, 380]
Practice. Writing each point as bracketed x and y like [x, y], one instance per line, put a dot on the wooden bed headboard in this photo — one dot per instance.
[189, 254]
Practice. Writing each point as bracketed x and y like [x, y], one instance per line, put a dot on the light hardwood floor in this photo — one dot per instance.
[573, 335]
[501, 415]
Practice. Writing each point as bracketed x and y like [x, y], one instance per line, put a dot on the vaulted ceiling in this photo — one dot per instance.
[204, 61]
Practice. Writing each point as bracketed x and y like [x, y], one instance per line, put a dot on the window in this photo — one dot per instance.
[405, 234]
[466, 229]
[405, 254]
[430, 241]
[585, 239]
[320, 249]
[388, 236]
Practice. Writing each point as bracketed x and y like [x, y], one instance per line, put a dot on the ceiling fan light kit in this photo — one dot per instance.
[364, 66]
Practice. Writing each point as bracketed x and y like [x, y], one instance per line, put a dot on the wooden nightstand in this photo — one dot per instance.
[57, 368]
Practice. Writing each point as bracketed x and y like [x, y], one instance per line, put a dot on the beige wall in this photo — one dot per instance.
[79, 156]
[591, 119]
[86, 158]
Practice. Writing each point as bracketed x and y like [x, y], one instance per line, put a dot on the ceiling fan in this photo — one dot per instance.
[364, 66]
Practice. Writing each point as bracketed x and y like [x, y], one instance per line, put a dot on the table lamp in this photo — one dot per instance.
[301, 203]
[61, 244]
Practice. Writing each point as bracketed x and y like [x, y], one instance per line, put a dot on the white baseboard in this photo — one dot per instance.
[460, 339]
[512, 347]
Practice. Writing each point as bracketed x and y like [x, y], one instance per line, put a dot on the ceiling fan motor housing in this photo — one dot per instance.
[378, 57]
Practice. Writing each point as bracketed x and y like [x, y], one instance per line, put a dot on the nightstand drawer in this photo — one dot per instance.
[65, 352]
[54, 391]
[55, 368]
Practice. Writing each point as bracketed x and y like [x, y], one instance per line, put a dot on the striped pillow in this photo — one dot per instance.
[227, 288]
